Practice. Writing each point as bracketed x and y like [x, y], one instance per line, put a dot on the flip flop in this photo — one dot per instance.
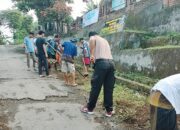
[73, 85]
[67, 84]
[86, 75]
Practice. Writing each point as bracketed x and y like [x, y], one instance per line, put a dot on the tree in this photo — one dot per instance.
[91, 5]
[2, 39]
[47, 11]
[20, 23]
[59, 12]
[13, 18]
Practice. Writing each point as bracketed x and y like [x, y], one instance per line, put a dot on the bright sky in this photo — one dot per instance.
[5, 4]
[79, 6]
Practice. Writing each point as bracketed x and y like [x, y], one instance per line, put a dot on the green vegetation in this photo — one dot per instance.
[136, 31]
[2, 39]
[127, 102]
[90, 6]
[131, 106]
[163, 47]
[138, 77]
[20, 23]
[48, 13]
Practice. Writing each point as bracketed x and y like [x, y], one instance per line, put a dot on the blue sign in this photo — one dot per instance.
[118, 4]
[91, 17]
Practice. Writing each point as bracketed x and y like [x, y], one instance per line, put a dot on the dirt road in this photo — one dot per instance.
[28, 102]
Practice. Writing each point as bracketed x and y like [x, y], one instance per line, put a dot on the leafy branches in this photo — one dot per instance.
[47, 11]
[20, 23]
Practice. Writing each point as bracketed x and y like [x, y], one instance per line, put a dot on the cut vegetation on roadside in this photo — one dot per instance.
[131, 105]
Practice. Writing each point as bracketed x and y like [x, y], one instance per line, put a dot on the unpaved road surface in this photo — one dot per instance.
[28, 102]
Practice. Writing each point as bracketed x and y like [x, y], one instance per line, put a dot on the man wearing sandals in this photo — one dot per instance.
[68, 67]
[103, 74]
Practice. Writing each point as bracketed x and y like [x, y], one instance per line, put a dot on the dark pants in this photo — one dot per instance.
[163, 119]
[43, 62]
[103, 75]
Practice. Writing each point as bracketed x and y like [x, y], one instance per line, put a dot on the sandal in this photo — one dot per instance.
[86, 75]
[74, 85]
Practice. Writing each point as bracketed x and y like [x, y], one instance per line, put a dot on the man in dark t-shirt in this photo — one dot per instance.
[42, 53]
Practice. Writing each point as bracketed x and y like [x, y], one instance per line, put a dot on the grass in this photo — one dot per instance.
[122, 93]
[138, 77]
[136, 31]
[163, 47]
[126, 101]
[130, 105]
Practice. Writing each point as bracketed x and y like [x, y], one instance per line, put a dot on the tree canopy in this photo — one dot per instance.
[20, 23]
[48, 11]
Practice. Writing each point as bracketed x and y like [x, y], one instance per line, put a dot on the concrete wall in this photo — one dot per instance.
[167, 21]
[159, 62]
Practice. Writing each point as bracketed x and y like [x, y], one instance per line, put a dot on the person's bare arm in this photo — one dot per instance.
[92, 45]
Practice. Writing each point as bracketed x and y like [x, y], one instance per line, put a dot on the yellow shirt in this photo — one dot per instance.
[158, 100]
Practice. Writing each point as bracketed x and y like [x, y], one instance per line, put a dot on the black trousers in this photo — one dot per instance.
[103, 75]
[43, 62]
[163, 119]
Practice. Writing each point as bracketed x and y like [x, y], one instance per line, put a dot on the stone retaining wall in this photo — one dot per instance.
[157, 62]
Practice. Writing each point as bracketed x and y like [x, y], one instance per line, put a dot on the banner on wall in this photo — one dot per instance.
[91, 17]
[113, 26]
[118, 4]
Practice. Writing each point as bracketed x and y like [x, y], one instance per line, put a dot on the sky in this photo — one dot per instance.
[5, 4]
[78, 7]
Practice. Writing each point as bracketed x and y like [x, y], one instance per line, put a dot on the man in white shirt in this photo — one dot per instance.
[165, 104]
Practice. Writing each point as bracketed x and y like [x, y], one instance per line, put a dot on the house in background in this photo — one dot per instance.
[112, 9]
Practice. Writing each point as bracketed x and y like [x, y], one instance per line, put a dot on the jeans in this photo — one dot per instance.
[163, 119]
[43, 63]
[31, 55]
[103, 75]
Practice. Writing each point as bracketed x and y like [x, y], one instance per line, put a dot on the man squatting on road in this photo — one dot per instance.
[103, 74]
[30, 49]
[165, 104]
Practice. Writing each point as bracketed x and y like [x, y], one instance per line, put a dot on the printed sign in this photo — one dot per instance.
[113, 26]
[91, 17]
[118, 4]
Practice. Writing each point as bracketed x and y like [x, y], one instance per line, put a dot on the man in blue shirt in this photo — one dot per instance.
[30, 49]
[68, 67]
